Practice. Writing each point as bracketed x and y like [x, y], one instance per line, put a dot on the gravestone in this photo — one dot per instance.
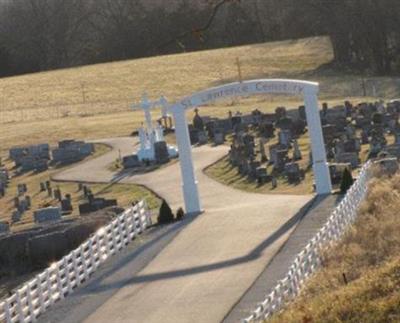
[203, 137]
[262, 150]
[20, 189]
[219, 137]
[45, 215]
[4, 228]
[16, 202]
[292, 172]
[16, 216]
[96, 204]
[267, 130]
[28, 202]
[198, 121]
[296, 151]
[281, 159]
[131, 161]
[285, 136]
[302, 112]
[262, 175]
[161, 152]
[66, 206]
[274, 182]
[194, 135]
[350, 158]
[57, 194]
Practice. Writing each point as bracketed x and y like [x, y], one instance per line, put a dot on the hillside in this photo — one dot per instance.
[359, 280]
[94, 101]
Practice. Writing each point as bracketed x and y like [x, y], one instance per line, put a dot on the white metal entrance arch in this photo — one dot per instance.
[308, 90]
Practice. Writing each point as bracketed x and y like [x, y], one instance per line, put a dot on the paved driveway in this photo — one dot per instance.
[203, 272]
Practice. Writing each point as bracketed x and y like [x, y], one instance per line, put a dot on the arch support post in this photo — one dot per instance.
[320, 164]
[190, 184]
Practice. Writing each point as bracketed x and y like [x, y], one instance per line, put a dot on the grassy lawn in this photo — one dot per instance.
[93, 101]
[225, 173]
[371, 268]
[124, 193]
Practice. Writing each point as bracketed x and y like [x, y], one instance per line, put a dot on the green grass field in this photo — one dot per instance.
[93, 101]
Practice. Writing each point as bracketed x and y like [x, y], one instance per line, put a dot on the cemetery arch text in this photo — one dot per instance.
[308, 90]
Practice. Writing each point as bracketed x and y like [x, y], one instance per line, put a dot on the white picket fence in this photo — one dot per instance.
[308, 260]
[61, 278]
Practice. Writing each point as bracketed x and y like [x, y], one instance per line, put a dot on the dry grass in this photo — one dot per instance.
[369, 258]
[93, 101]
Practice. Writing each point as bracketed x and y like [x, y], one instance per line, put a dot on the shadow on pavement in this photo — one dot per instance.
[253, 255]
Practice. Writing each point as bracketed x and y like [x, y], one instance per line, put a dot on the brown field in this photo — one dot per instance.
[93, 101]
[371, 267]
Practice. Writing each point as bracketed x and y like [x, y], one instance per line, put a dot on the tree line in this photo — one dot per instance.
[38, 35]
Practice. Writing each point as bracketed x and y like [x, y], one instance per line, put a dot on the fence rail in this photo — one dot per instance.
[62, 277]
[308, 260]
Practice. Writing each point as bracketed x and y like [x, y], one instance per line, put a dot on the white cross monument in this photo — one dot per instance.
[150, 134]
[308, 90]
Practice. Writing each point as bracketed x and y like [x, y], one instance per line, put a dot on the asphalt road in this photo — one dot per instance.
[205, 269]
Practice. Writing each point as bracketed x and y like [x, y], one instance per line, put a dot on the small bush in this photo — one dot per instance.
[165, 215]
[347, 181]
[180, 214]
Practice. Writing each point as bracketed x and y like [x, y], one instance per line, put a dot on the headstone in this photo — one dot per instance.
[296, 151]
[281, 158]
[57, 194]
[203, 138]
[66, 206]
[262, 150]
[16, 216]
[292, 171]
[20, 189]
[194, 136]
[4, 228]
[262, 175]
[28, 201]
[285, 136]
[280, 112]
[49, 214]
[131, 161]
[198, 121]
[219, 137]
[16, 202]
[351, 158]
[302, 112]
[274, 182]
[161, 152]
[267, 130]
[96, 204]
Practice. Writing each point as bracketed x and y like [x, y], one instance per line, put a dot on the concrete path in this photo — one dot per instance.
[204, 271]
[314, 219]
